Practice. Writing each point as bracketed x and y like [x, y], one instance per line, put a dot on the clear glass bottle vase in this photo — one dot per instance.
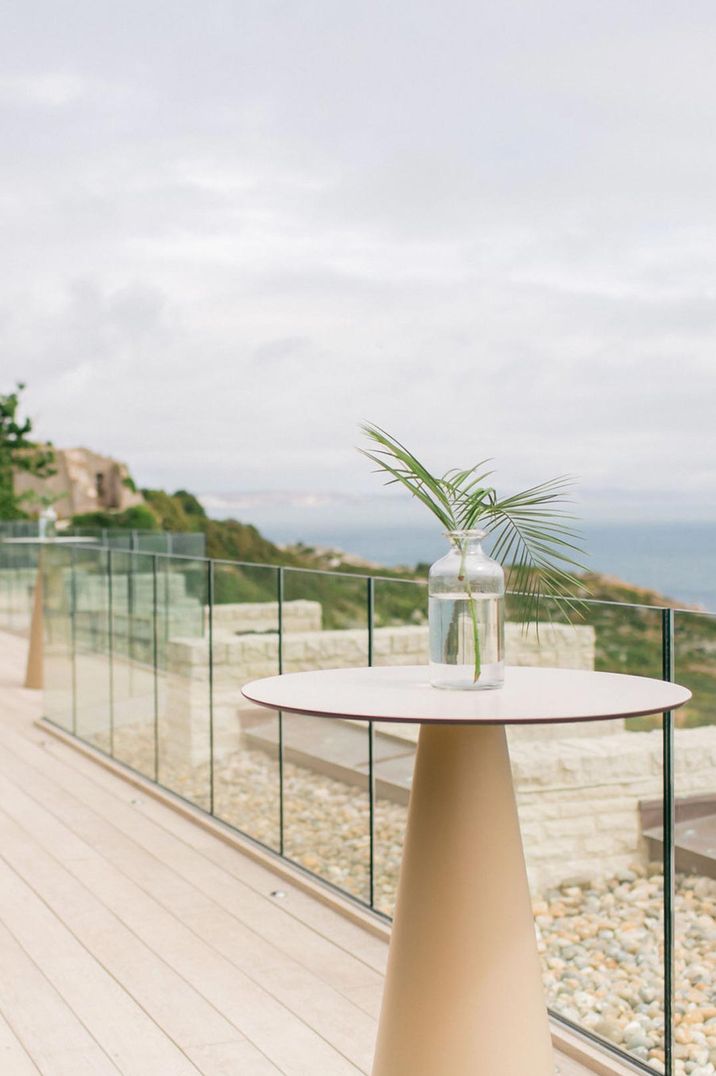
[467, 627]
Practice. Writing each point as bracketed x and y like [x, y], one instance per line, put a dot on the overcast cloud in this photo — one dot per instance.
[233, 230]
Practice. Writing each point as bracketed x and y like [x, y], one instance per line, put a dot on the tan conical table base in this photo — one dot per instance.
[463, 994]
[34, 670]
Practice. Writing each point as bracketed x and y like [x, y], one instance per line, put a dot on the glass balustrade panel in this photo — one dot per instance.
[133, 662]
[245, 646]
[183, 698]
[89, 598]
[326, 805]
[400, 637]
[584, 793]
[695, 844]
[58, 654]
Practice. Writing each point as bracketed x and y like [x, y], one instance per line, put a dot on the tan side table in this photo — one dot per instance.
[463, 992]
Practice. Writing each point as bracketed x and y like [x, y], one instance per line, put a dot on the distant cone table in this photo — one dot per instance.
[34, 674]
[463, 992]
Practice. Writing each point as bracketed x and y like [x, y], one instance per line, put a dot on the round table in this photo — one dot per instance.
[463, 992]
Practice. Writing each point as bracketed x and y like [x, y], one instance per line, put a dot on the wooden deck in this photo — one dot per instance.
[134, 941]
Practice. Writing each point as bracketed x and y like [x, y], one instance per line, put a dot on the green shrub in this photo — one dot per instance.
[139, 517]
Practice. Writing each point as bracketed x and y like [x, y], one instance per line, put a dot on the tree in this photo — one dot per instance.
[18, 453]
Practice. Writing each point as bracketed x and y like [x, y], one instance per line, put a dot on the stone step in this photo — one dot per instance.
[339, 749]
[695, 842]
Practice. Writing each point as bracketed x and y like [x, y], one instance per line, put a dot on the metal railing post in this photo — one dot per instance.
[155, 654]
[279, 595]
[73, 636]
[110, 648]
[370, 596]
[130, 611]
[669, 823]
[210, 628]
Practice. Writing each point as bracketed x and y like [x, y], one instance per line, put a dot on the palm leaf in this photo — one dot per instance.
[538, 544]
[534, 537]
[404, 467]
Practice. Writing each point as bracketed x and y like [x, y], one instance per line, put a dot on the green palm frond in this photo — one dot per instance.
[538, 546]
[404, 467]
[534, 536]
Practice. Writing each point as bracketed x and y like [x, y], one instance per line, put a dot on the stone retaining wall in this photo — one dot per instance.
[16, 595]
[240, 658]
[579, 797]
[245, 617]
[579, 787]
[251, 655]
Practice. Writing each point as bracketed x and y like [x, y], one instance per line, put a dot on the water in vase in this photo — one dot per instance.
[466, 641]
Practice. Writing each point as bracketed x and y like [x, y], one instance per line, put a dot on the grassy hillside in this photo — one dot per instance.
[629, 639]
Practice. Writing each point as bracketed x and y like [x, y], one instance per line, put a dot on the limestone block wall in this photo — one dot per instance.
[245, 617]
[578, 794]
[250, 656]
[91, 589]
[579, 798]
[579, 787]
[559, 645]
[16, 595]
[179, 613]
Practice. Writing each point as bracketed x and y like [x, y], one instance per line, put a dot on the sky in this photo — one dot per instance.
[233, 231]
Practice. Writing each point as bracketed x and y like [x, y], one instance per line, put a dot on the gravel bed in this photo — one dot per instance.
[601, 950]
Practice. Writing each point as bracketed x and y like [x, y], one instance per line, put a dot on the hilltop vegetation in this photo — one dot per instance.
[181, 512]
[629, 626]
[226, 539]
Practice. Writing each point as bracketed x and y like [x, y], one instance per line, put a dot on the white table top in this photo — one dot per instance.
[404, 693]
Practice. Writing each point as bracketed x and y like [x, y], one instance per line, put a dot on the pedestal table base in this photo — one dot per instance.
[463, 993]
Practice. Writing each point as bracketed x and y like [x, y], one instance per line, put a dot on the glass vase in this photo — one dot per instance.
[467, 625]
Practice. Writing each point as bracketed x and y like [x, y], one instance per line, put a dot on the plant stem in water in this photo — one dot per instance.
[473, 612]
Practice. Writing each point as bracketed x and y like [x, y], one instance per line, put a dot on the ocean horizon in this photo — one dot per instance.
[676, 559]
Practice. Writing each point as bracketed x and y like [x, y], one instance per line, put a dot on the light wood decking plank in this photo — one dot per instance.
[232, 1059]
[172, 1003]
[58, 1043]
[245, 1003]
[128, 1036]
[155, 844]
[331, 1015]
[14, 1058]
[341, 949]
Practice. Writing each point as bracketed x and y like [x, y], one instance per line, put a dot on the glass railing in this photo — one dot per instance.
[18, 573]
[180, 543]
[145, 658]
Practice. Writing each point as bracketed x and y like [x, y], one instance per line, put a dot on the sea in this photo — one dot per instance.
[677, 559]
